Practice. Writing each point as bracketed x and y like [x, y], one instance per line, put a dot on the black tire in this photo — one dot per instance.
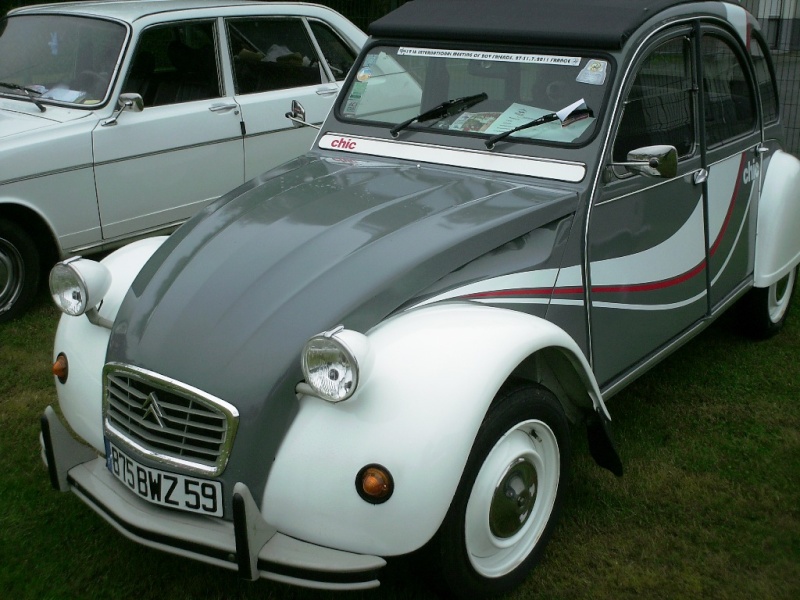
[20, 267]
[523, 443]
[763, 311]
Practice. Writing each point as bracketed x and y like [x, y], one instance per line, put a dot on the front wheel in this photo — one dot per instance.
[509, 497]
[765, 309]
[19, 270]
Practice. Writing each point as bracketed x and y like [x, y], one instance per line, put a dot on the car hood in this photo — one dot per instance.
[16, 119]
[228, 301]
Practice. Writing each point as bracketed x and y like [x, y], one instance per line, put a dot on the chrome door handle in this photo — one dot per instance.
[700, 176]
[327, 91]
[216, 108]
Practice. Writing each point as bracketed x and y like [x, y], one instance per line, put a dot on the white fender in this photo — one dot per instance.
[777, 240]
[84, 344]
[416, 412]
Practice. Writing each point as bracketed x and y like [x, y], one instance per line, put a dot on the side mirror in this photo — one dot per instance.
[298, 116]
[131, 102]
[652, 161]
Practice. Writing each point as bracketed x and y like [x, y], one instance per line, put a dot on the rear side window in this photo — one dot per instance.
[765, 79]
[272, 54]
[730, 108]
[658, 109]
[339, 56]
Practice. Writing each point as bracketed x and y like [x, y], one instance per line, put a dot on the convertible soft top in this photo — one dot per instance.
[581, 23]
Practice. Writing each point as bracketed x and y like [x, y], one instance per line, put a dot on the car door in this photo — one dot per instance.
[277, 60]
[732, 139]
[646, 236]
[159, 166]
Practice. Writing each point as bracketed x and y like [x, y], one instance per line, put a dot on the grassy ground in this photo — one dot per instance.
[709, 506]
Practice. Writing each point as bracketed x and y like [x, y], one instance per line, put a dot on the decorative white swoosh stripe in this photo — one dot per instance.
[723, 183]
[472, 159]
[673, 257]
[653, 307]
[515, 283]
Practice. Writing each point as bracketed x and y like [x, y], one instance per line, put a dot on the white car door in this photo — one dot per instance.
[160, 166]
[277, 60]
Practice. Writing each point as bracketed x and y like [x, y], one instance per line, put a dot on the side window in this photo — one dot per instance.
[765, 79]
[175, 63]
[730, 108]
[339, 56]
[271, 54]
[659, 106]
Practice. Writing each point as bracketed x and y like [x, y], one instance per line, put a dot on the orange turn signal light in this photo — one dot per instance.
[374, 484]
[61, 367]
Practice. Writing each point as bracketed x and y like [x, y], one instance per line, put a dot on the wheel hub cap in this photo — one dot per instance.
[513, 499]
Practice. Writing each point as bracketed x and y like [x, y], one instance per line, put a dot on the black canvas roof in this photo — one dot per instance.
[582, 23]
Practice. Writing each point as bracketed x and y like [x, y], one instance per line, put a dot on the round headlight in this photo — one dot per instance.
[78, 285]
[330, 366]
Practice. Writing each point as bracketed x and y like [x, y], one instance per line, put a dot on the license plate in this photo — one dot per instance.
[164, 488]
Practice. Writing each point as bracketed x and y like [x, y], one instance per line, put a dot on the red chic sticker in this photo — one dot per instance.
[343, 143]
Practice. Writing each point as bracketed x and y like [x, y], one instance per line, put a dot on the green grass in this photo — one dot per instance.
[709, 506]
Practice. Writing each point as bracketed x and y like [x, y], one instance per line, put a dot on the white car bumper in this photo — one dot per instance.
[246, 544]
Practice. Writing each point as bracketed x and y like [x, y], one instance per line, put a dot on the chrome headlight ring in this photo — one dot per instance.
[77, 285]
[333, 363]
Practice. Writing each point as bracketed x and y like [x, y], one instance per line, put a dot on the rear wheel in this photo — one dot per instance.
[509, 496]
[765, 309]
[19, 270]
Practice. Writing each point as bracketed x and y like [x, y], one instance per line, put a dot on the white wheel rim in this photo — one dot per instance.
[531, 444]
[780, 293]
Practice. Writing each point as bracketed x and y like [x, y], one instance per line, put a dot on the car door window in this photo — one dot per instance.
[339, 56]
[730, 109]
[658, 108]
[765, 78]
[272, 54]
[175, 63]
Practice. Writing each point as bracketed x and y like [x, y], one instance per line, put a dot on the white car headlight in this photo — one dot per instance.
[78, 285]
[332, 363]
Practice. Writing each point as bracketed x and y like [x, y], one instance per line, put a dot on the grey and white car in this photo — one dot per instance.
[378, 348]
[83, 171]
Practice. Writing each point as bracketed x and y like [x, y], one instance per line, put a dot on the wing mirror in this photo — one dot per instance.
[131, 102]
[298, 116]
[652, 161]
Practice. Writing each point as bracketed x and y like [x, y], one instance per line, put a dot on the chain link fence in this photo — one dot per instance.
[780, 24]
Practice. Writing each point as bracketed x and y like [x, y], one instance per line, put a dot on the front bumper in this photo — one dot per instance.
[247, 545]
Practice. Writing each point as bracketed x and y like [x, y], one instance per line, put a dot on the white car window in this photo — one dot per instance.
[272, 54]
[175, 63]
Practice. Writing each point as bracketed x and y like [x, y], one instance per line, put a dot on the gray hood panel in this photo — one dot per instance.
[228, 301]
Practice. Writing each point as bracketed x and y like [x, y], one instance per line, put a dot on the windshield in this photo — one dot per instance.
[58, 59]
[405, 88]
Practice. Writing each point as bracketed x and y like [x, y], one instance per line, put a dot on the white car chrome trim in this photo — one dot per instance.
[572, 172]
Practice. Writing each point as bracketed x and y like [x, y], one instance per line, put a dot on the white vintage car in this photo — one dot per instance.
[378, 348]
[121, 119]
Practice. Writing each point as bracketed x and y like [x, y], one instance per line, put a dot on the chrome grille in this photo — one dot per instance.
[167, 421]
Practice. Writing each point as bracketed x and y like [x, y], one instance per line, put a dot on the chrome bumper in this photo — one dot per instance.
[247, 544]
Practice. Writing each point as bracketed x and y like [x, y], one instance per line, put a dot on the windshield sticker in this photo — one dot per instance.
[537, 59]
[474, 122]
[594, 73]
[556, 131]
[364, 74]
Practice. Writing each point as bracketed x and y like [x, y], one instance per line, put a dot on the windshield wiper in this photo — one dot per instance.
[574, 112]
[447, 108]
[28, 91]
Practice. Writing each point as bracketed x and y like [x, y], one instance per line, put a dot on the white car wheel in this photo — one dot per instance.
[508, 500]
